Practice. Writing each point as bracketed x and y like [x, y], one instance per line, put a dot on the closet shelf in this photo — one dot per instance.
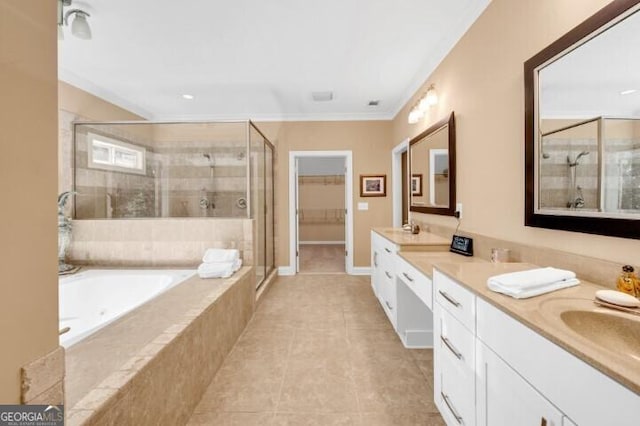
[321, 180]
[321, 216]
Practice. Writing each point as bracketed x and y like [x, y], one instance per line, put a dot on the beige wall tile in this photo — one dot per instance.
[43, 374]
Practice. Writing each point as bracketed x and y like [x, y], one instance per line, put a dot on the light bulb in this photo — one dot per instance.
[415, 115]
[80, 27]
[432, 96]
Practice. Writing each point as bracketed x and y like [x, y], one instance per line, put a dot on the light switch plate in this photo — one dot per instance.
[363, 206]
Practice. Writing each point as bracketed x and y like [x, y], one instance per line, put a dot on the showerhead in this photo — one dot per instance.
[207, 156]
[575, 162]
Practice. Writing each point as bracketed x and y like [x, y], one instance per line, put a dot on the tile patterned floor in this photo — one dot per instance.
[320, 351]
[321, 258]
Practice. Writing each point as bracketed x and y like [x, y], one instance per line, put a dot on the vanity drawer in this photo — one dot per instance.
[386, 246]
[455, 299]
[455, 342]
[456, 395]
[416, 280]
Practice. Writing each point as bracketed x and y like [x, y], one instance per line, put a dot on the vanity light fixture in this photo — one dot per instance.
[432, 96]
[429, 99]
[79, 26]
[415, 115]
[628, 92]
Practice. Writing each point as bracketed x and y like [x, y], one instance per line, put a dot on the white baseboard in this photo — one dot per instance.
[361, 270]
[321, 242]
[286, 270]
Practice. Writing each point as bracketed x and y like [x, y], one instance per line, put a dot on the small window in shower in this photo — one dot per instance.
[111, 154]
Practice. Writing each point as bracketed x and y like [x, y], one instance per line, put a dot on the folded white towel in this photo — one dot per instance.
[219, 270]
[533, 282]
[220, 255]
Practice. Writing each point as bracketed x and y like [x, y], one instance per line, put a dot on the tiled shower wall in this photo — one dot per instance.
[556, 175]
[177, 177]
[157, 242]
[620, 156]
[188, 176]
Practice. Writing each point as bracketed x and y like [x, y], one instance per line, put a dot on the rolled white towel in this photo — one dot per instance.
[533, 282]
[219, 270]
[220, 255]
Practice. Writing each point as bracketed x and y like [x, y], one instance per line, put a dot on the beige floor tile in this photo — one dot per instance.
[244, 386]
[402, 418]
[321, 351]
[217, 418]
[376, 343]
[310, 419]
[322, 258]
[320, 344]
[362, 319]
[318, 386]
[422, 354]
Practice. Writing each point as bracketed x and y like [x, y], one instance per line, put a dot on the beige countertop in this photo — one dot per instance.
[542, 314]
[408, 241]
[425, 261]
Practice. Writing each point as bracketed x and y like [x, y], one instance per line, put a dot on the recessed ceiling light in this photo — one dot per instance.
[374, 103]
[628, 92]
[187, 96]
[322, 96]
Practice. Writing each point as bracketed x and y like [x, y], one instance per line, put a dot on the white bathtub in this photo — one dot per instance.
[91, 299]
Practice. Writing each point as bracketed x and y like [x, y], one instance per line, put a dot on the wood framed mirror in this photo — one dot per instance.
[432, 159]
[582, 127]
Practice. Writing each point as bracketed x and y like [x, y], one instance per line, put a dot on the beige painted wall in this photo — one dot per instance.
[369, 142]
[482, 81]
[28, 175]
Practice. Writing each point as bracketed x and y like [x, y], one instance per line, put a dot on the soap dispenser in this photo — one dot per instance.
[628, 281]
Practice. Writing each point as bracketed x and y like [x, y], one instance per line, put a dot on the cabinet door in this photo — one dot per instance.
[376, 270]
[506, 399]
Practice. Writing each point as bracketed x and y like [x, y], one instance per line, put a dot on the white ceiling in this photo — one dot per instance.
[262, 59]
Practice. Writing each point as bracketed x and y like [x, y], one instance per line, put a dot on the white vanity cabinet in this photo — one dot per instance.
[504, 398]
[492, 370]
[383, 275]
[582, 394]
[454, 351]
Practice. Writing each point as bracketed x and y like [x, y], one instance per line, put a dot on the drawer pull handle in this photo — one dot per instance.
[388, 305]
[543, 422]
[388, 274]
[450, 299]
[407, 276]
[453, 350]
[453, 410]
[375, 259]
[387, 250]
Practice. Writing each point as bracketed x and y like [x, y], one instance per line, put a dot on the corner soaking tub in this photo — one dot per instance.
[91, 299]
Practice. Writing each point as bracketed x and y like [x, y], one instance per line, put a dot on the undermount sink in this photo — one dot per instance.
[610, 330]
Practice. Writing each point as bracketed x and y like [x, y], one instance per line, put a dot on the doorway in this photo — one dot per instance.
[400, 181]
[320, 212]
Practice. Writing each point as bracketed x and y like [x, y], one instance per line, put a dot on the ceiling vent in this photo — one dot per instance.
[322, 96]
[374, 103]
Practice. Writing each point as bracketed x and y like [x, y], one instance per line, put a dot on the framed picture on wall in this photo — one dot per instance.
[416, 184]
[373, 185]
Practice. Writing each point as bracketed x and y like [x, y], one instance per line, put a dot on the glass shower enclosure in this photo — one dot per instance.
[140, 169]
